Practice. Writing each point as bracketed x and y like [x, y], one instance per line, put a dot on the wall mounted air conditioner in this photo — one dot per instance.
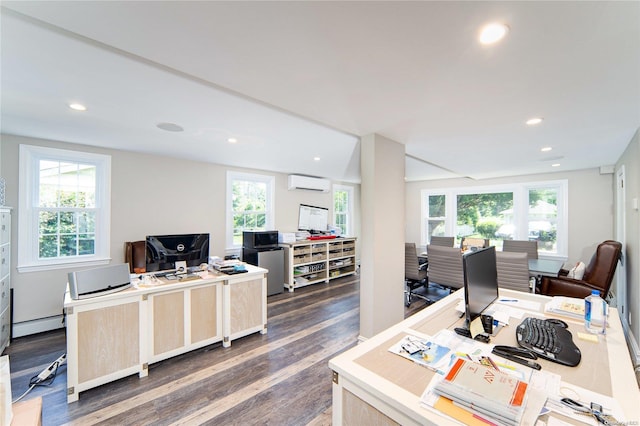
[309, 183]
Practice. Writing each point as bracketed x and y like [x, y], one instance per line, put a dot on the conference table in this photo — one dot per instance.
[537, 267]
[545, 267]
[372, 385]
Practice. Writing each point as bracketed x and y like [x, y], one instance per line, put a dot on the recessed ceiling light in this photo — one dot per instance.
[316, 158]
[170, 127]
[492, 33]
[534, 121]
[77, 107]
[546, 149]
[555, 165]
[232, 140]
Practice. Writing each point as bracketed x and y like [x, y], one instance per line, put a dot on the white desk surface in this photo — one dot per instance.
[139, 289]
[605, 366]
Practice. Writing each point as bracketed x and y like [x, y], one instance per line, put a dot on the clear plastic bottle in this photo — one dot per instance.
[595, 313]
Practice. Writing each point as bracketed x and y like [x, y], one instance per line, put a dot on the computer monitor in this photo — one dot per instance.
[480, 282]
[163, 251]
[313, 219]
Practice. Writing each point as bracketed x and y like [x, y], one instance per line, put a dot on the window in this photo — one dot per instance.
[436, 215]
[343, 208]
[249, 204]
[64, 208]
[532, 211]
[480, 215]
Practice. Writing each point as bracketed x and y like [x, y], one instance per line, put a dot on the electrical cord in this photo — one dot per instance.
[45, 378]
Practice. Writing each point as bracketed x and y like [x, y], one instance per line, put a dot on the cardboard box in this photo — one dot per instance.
[286, 237]
[27, 413]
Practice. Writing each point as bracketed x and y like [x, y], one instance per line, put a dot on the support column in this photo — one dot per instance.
[382, 234]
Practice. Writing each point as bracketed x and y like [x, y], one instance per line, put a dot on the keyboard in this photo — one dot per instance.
[549, 339]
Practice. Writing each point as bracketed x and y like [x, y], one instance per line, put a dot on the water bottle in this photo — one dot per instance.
[595, 313]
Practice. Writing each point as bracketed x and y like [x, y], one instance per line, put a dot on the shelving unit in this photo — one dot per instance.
[5, 277]
[310, 262]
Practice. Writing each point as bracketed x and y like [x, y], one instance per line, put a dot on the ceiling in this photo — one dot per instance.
[296, 80]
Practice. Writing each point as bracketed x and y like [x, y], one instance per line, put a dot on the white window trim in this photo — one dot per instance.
[520, 201]
[350, 191]
[270, 210]
[28, 224]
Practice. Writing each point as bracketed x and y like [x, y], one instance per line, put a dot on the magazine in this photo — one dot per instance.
[423, 351]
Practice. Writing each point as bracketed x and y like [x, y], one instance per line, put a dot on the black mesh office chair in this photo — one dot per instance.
[415, 274]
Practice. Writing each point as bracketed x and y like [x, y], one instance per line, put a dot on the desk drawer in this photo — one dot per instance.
[5, 327]
[5, 290]
[5, 259]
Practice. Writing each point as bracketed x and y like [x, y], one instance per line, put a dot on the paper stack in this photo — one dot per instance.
[493, 394]
[568, 306]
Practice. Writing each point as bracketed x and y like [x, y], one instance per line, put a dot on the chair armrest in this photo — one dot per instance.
[423, 266]
[562, 286]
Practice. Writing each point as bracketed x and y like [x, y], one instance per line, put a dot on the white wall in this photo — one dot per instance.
[382, 278]
[591, 197]
[630, 159]
[149, 195]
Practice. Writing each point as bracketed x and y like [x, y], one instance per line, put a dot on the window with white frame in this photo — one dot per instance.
[343, 208]
[249, 205]
[65, 207]
[528, 211]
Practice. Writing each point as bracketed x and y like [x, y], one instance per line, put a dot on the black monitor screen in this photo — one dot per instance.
[163, 251]
[480, 281]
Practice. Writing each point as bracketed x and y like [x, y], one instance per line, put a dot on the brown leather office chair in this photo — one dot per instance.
[597, 276]
[135, 254]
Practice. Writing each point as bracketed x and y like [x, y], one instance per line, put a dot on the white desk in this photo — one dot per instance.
[374, 386]
[120, 334]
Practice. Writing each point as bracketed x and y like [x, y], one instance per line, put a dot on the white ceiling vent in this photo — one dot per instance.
[309, 183]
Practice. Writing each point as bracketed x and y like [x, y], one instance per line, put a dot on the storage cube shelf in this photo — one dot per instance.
[5, 277]
[311, 262]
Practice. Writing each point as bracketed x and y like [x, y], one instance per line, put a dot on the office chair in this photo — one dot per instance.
[445, 267]
[415, 274]
[442, 241]
[597, 276]
[135, 254]
[526, 246]
[513, 270]
[474, 242]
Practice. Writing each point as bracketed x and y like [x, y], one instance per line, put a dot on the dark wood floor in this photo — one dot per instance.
[281, 378]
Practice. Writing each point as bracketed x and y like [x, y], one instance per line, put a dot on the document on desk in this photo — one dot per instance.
[437, 352]
[584, 396]
[423, 351]
[448, 408]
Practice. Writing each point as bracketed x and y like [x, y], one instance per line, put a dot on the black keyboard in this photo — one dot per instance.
[549, 339]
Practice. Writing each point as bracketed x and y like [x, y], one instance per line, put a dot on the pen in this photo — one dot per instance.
[493, 364]
[508, 300]
[528, 363]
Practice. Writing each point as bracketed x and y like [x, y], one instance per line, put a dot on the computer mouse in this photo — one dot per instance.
[559, 322]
